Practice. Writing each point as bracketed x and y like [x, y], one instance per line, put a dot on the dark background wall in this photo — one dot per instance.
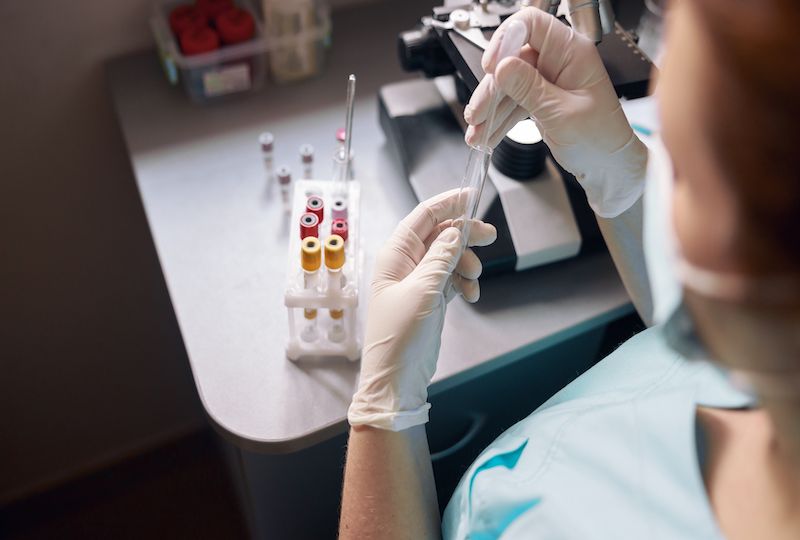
[92, 369]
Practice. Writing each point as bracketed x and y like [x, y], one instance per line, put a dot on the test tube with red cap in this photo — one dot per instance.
[267, 142]
[307, 160]
[285, 181]
[309, 225]
[316, 206]
[339, 226]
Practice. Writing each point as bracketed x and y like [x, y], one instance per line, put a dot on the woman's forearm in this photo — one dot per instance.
[389, 491]
[623, 236]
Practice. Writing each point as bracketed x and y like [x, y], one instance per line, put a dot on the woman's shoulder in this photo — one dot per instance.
[586, 471]
[639, 364]
[645, 365]
[603, 453]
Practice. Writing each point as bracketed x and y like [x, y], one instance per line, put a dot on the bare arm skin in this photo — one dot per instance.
[623, 236]
[389, 491]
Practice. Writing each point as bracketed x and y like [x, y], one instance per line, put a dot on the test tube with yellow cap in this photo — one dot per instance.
[334, 261]
[310, 260]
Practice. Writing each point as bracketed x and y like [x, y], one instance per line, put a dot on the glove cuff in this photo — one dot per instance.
[614, 189]
[360, 414]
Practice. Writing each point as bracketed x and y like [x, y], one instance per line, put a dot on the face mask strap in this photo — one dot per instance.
[775, 385]
[772, 290]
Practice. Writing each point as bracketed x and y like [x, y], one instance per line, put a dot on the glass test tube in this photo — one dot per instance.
[310, 260]
[285, 181]
[514, 37]
[334, 261]
[307, 160]
[340, 145]
[340, 174]
[267, 142]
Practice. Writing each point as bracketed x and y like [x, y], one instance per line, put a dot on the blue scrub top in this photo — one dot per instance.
[612, 455]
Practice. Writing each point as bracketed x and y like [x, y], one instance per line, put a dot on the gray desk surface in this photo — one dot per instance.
[221, 239]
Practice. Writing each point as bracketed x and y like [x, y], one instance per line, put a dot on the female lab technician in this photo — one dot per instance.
[649, 443]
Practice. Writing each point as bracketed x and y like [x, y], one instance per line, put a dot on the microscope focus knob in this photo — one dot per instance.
[419, 50]
[460, 19]
[521, 154]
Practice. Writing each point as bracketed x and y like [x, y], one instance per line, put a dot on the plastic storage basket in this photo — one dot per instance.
[209, 76]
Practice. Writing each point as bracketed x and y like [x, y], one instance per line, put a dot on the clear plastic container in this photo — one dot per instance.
[299, 36]
[209, 76]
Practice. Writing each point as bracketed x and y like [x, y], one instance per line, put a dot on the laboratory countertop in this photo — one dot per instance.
[221, 238]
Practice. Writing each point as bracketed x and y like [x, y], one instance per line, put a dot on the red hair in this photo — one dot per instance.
[753, 122]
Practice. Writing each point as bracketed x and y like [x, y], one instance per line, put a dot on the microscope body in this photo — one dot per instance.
[542, 217]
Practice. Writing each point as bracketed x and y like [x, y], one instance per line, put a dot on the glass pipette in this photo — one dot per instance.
[341, 161]
[514, 37]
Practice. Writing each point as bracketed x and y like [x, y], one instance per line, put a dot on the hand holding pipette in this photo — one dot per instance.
[509, 43]
[559, 80]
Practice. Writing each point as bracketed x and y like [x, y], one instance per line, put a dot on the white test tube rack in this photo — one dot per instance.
[322, 297]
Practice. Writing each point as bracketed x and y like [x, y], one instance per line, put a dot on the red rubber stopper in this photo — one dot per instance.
[199, 40]
[212, 8]
[235, 25]
[184, 17]
[314, 205]
[309, 225]
[339, 226]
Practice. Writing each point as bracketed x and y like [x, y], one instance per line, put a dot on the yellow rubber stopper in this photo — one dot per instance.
[310, 314]
[337, 313]
[310, 254]
[334, 252]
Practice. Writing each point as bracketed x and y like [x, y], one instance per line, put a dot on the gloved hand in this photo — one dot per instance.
[416, 273]
[560, 82]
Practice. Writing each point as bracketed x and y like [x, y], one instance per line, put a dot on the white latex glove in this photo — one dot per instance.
[406, 312]
[560, 82]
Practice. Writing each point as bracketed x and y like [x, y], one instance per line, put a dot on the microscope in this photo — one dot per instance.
[540, 211]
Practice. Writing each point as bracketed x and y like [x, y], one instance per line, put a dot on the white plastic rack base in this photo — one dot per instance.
[329, 341]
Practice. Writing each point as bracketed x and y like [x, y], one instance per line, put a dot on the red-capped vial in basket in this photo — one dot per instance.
[199, 41]
[339, 226]
[315, 205]
[309, 225]
[184, 17]
[212, 8]
[235, 25]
